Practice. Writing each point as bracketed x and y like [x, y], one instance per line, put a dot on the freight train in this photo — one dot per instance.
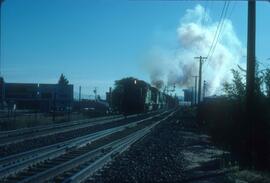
[155, 99]
[134, 96]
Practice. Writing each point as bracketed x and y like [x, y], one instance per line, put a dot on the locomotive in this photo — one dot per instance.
[135, 96]
[159, 100]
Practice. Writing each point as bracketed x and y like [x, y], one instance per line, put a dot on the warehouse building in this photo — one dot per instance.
[33, 96]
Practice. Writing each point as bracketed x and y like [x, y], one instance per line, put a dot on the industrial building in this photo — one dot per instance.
[188, 95]
[33, 96]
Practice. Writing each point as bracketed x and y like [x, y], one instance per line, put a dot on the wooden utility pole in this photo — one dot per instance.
[250, 78]
[95, 92]
[195, 89]
[251, 38]
[200, 76]
[80, 93]
[192, 96]
[204, 88]
[1, 2]
[80, 98]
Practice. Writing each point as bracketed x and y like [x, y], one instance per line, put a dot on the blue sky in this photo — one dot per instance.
[96, 42]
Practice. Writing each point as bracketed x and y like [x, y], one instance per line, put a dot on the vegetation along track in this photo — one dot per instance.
[38, 165]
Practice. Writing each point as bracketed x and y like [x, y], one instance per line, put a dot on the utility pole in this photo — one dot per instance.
[80, 93]
[250, 79]
[251, 54]
[200, 76]
[1, 2]
[204, 89]
[192, 96]
[195, 89]
[1, 79]
[80, 97]
[110, 97]
[95, 92]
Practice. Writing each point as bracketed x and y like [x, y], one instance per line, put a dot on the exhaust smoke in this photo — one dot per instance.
[177, 65]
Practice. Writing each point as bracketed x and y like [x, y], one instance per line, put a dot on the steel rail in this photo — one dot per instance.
[98, 164]
[51, 126]
[36, 132]
[18, 162]
[115, 147]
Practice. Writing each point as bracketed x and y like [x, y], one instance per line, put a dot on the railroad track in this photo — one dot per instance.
[12, 159]
[63, 134]
[28, 133]
[51, 153]
[14, 136]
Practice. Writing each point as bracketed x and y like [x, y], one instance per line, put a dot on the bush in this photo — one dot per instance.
[226, 121]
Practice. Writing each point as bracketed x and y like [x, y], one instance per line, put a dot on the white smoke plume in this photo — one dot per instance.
[177, 65]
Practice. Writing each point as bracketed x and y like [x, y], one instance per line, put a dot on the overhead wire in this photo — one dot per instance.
[220, 31]
[221, 17]
[218, 27]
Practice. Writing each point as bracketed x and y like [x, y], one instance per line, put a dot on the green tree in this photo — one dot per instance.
[259, 81]
[63, 80]
[236, 89]
[243, 127]
[267, 82]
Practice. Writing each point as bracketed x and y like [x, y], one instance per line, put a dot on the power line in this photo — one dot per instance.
[220, 19]
[220, 30]
[222, 26]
